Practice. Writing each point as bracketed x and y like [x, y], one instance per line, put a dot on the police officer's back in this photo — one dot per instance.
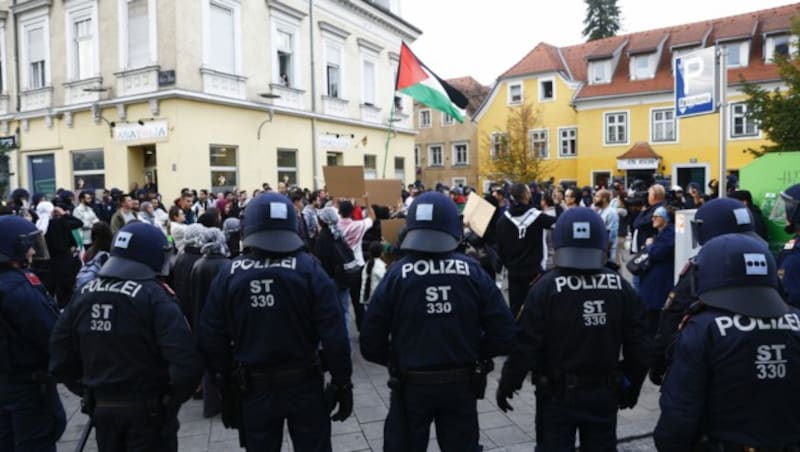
[575, 320]
[714, 218]
[736, 367]
[789, 259]
[31, 415]
[125, 340]
[266, 315]
[434, 317]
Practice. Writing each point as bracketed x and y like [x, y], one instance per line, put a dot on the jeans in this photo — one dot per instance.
[344, 301]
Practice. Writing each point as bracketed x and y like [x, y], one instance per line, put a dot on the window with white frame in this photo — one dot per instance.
[137, 33]
[224, 168]
[780, 45]
[370, 166]
[741, 124]
[333, 69]
[89, 166]
[539, 143]
[547, 89]
[368, 77]
[424, 119]
[287, 165]
[498, 144]
[223, 26]
[460, 154]
[738, 53]
[515, 93]
[568, 142]
[663, 126]
[82, 45]
[435, 157]
[600, 72]
[400, 168]
[447, 120]
[416, 156]
[284, 53]
[643, 66]
[35, 35]
[616, 128]
[3, 82]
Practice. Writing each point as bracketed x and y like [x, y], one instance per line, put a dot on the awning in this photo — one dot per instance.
[640, 157]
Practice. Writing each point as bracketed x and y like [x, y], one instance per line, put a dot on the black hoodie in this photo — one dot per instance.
[521, 239]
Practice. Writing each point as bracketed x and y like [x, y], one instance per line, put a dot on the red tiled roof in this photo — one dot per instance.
[471, 88]
[640, 150]
[541, 58]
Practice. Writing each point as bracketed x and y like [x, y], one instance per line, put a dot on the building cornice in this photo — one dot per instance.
[30, 5]
[382, 17]
[290, 11]
[327, 27]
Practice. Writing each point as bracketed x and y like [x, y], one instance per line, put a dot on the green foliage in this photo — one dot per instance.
[602, 19]
[513, 158]
[776, 111]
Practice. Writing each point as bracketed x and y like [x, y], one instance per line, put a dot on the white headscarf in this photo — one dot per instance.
[44, 210]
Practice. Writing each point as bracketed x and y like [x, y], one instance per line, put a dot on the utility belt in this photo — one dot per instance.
[475, 375]
[26, 378]
[725, 446]
[254, 380]
[558, 385]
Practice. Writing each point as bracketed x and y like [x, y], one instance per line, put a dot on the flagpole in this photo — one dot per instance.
[388, 138]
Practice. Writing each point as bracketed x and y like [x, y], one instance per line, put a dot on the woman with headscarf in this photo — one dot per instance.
[193, 240]
[329, 233]
[58, 273]
[232, 228]
[214, 255]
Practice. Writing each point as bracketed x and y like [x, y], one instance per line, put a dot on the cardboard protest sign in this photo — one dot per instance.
[384, 192]
[478, 213]
[390, 230]
[344, 181]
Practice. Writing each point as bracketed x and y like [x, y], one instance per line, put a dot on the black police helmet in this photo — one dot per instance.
[270, 224]
[737, 273]
[17, 236]
[580, 240]
[138, 251]
[432, 224]
[721, 216]
[791, 198]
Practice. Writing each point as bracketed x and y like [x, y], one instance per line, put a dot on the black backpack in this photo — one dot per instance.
[347, 267]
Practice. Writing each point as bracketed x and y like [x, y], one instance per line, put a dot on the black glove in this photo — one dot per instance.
[629, 392]
[341, 395]
[656, 377]
[504, 393]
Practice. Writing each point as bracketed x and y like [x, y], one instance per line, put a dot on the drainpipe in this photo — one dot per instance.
[17, 78]
[315, 171]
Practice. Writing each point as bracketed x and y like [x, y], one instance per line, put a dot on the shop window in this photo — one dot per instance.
[88, 169]
[224, 169]
[287, 166]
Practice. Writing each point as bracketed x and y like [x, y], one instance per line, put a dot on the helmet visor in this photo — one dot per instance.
[166, 264]
[36, 241]
[696, 224]
[783, 210]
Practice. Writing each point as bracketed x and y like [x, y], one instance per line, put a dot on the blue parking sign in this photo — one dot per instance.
[695, 83]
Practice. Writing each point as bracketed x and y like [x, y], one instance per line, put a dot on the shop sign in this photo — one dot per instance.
[637, 164]
[148, 131]
[329, 142]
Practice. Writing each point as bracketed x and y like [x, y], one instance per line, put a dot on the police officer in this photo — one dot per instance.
[124, 339]
[31, 415]
[433, 320]
[734, 376]
[714, 218]
[574, 322]
[264, 319]
[789, 259]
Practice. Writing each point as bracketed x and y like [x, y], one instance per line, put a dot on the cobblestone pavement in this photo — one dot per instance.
[363, 431]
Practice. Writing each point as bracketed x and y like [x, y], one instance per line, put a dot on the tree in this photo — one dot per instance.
[602, 19]
[776, 111]
[512, 154]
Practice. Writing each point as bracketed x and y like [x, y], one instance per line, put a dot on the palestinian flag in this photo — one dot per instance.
[416, 80]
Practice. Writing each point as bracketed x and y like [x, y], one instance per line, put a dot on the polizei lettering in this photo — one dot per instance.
[426, 267]
[608, 281]
[127, 288]
[742, 323]
[252, 264]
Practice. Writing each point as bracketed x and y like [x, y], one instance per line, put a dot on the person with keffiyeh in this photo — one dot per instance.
[353, 232]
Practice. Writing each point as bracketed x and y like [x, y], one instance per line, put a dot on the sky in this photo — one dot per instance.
[485, 38]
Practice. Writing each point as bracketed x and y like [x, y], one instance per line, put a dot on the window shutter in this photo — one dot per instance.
[369, 82]
[222, 41]
[138, 34]
[36, 45]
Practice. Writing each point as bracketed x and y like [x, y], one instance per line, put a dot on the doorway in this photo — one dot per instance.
[647, 176]
[334, 159]
[686, 174]
[142, 168]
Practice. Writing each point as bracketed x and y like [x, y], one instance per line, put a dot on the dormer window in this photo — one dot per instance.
[782, 45]
[643, 66]
[600, 72]
[738, 53]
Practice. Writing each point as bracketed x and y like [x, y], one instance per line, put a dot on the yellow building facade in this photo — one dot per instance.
[606, 108]
[223, 95]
